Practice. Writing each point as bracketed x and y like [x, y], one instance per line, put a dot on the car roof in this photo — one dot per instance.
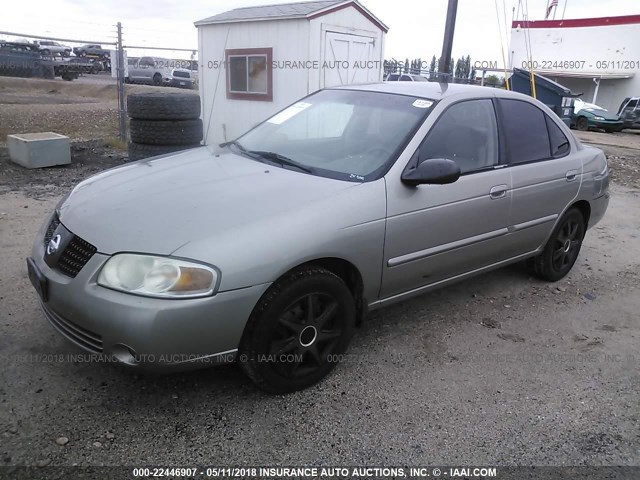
[436, 90]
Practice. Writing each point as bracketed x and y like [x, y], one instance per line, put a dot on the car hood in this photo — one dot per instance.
[600, 113]
[159, 205]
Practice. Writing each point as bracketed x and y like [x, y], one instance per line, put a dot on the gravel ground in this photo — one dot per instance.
[497, 370]
[87, 158]
[622, 152]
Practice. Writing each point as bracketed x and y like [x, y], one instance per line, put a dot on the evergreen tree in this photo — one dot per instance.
[433, 67]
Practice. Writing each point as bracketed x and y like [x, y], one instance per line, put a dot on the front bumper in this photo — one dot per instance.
[146, 333]
[607, 124]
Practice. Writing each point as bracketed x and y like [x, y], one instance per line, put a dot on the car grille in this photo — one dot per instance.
[81, 336]
[75, 255]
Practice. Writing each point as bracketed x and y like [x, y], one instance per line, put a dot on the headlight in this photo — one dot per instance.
[162, 277]
[598, 118]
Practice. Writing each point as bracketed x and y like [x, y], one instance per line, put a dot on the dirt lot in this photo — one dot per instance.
[85, 109]
[501, 369]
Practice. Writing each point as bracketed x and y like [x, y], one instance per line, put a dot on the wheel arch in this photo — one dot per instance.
[347, 271]
[585, 209]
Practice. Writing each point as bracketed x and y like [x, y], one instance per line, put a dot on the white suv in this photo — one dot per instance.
[48, 47]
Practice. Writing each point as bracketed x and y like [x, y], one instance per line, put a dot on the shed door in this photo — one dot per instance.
[349, 59]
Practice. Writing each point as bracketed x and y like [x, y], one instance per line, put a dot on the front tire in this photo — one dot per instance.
[561, 251]
[582, 124]
[297, 331]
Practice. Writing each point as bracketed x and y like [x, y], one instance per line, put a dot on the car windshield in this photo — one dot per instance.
[345, 134]
[579, 105]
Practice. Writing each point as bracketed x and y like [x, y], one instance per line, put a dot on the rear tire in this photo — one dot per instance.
[561, 251]
[297, 331]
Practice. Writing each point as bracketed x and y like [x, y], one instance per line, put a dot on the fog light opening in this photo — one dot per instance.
[125, 354]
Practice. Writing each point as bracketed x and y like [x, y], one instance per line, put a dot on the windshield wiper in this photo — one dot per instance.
[281, 159]
[243, 151]
[235, 143]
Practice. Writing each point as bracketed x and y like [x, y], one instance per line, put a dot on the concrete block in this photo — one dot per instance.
[38, 150]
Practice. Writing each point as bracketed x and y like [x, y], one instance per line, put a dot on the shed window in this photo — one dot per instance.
[249, 74]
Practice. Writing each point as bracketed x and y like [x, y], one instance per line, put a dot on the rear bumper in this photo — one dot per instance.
[598, 208]
[185, 83]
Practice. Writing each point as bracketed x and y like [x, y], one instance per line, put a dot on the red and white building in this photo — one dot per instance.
[598, 57]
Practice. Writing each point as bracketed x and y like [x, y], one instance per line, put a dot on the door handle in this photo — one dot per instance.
[571, 175]
[499, 191]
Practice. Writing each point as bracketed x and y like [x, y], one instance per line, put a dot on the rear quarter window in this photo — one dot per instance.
[559, 142]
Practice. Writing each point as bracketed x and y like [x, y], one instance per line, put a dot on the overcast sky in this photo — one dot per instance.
[416, 26]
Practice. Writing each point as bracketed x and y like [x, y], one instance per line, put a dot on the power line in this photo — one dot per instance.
[162, 48]
[24, 35]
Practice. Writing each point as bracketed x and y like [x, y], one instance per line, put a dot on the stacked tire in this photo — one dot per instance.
[162, 123]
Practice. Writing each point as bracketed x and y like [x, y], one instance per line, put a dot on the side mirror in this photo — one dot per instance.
[435, 171]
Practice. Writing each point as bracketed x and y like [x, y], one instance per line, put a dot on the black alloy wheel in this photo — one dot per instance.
[562, 249]
[298, 331]
[307, 331]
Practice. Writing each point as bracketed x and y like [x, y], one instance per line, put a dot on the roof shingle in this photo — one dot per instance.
[283, 10]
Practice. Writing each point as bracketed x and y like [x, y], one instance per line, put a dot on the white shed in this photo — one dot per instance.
[255, 61]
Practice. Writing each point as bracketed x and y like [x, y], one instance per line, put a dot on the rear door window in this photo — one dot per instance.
[525, 131]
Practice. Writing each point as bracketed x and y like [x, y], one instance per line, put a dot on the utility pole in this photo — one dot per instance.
[122, 108]
[447, 43]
